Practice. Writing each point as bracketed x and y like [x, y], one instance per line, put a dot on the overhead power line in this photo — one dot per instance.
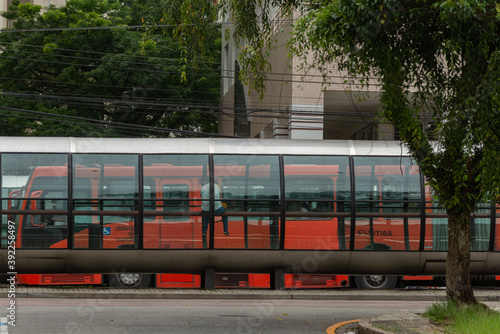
[42, 121]
[147, 26]
[191, 74]
[17, 44]
[111, 123]
[304, 75]
[110, 102]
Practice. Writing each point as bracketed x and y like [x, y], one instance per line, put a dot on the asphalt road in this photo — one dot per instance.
[109, 316]
[95, 310]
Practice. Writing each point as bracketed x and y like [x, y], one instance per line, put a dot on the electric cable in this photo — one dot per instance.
[137, 126]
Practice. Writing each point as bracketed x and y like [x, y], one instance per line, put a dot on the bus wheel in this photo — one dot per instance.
[376, 282]
[129, 281]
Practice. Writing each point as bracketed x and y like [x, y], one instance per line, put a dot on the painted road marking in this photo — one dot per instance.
[3, 326]
[332, 329]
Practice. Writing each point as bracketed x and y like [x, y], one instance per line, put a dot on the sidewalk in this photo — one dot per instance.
[398, 323]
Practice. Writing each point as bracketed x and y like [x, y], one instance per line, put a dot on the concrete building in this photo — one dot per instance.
[296, 105]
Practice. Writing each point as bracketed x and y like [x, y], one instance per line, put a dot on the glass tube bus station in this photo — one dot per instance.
[91, 205]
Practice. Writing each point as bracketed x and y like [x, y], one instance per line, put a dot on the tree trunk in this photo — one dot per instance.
[458, 280]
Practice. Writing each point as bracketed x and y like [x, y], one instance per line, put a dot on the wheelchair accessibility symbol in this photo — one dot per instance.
[106, 231]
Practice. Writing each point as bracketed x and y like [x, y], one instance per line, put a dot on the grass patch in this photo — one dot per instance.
[475, 319]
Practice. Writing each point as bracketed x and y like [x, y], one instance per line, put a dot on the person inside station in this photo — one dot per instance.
[298, 206]
[219, 208]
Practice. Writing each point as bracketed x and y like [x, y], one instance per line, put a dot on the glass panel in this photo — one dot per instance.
[250, 186]
[38, 184]
[4, 228]
[436, 236]
[480, 234]
[497, 229]
[172, 205]
[385, 188]
[346, 240]
[317, 188]
[386, 185]
[480, 229]
[437, 227]
[105, 195]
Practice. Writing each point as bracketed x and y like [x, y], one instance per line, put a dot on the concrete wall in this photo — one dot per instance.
[3, 8]
[298, 105]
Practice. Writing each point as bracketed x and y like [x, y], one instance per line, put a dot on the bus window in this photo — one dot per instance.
[51, 200]
[122, 197]
[234, 190]
[47, 229]
[149, 193]
[311, 194]
[176, 199]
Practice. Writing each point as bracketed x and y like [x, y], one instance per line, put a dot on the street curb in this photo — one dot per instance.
[364, 327]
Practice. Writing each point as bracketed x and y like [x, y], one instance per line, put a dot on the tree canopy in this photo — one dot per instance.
[435, 60]
[438, 66]
[91, 68]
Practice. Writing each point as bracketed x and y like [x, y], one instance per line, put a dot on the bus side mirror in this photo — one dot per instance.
[36, 194]
[12, 199]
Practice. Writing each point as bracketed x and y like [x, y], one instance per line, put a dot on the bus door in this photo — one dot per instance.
[172, 206]
[86, 227]
[307, 198]
[316, 191]
[118, 230]
[175, 229]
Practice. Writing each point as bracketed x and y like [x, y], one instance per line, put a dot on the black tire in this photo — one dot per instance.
[376, 282]
[129, 281]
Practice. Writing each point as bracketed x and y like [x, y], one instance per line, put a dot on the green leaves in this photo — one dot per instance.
[113, 79]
